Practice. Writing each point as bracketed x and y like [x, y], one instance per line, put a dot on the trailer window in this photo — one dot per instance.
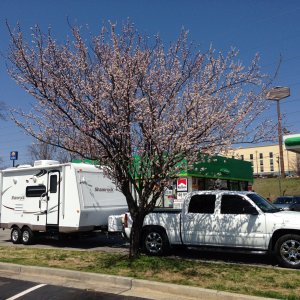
[202, 204]
[35, 190]
[53, 184]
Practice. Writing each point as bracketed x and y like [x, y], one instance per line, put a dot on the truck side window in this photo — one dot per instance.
[53, 184]
[233, 204]
[35, 190]
[202, 204]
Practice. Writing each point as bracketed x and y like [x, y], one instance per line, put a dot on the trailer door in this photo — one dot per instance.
[53, 197]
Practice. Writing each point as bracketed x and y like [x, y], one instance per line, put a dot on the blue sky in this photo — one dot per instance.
[270, 27]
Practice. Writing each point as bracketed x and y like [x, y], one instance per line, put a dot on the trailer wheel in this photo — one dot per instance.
[15, 235]
[27, 236]
[155, 241]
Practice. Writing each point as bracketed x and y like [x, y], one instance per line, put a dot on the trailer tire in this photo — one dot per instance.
[15, 235]
[27, 236]
[155, 241]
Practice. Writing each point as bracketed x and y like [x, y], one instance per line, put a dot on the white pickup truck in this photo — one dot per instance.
[226, 219]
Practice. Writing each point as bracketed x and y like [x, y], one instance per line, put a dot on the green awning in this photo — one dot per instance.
[222, 168]
[292, 142]
[216, 167]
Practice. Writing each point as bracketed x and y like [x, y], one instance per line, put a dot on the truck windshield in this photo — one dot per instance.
[262, 203]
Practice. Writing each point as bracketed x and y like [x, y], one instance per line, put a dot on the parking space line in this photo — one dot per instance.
[26, 292]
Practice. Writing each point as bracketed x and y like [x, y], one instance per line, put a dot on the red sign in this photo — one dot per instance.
[182, 185]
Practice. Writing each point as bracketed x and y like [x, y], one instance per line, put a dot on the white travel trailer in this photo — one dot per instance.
[55, 198]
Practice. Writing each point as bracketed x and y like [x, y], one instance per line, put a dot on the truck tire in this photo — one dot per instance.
[155, 241]
[15, 235]
[27, 236]
[287, 251]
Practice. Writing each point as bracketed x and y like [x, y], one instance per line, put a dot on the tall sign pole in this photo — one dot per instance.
[281, 160]
[278, 93]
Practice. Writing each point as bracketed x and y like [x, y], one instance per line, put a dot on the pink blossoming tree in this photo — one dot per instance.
[123, 95]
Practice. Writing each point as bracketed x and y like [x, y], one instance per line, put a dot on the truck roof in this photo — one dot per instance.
[215, 192]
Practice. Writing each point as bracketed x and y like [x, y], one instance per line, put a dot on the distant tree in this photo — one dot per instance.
[124, 95]
[40, 150]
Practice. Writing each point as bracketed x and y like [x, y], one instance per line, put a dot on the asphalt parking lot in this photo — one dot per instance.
[11, 289]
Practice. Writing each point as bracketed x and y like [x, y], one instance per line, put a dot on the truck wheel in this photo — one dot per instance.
[287, 250]
[27, 236]
[155, 241]
[15, 235]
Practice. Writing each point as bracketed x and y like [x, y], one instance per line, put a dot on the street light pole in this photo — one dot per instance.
[278, 93]
[281, 160]
[279, 181]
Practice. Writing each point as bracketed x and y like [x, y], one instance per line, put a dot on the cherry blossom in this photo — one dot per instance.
[137, 106]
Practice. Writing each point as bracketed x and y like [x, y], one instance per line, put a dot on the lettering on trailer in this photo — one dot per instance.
[107, 190]
[17, 197]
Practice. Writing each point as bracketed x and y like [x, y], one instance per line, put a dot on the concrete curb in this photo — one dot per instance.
[115, 284]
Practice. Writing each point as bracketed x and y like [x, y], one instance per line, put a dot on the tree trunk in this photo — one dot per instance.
[136, 236]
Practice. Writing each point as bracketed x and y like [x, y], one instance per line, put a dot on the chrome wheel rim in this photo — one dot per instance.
[290, 252]
[25, 236]
[15, 235]
[154, 242]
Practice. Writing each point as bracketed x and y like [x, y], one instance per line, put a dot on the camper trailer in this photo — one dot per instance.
[53, 198]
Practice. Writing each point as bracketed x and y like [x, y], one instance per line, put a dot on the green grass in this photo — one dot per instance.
[269, 187]
[250, 280]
